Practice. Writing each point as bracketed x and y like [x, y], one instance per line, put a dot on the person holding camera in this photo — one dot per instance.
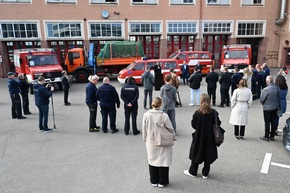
[109, 98]
[42, 95]
[91, 101]
[24, 89]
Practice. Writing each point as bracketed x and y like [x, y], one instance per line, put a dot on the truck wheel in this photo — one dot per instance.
[82, 76]
[31, 89]
[59, 84]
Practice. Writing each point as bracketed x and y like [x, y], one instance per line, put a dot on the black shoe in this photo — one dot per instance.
[264, 138]
[105, 131]
[236, 137]
[115, 130]
[126, 133]
[213, 104]
[22, 117]
[98, 127]
[272, 138]
[14, 117]
[27, 113]
[221, 106]
[137, 132]
[67, 104]
[94, 129]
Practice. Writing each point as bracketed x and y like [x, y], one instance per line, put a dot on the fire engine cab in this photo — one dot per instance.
[38, 62]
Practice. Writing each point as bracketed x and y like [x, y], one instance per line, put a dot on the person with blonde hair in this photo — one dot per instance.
[248, 77]
[203, 147]
[159, 157]
[240, 103]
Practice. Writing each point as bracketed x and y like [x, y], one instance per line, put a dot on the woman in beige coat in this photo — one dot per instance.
[159, 157]
[240, 103]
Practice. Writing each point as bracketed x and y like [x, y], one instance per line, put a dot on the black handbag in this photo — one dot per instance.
[218, 132]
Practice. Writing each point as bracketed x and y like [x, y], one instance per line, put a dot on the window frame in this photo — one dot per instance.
[238, 22]
[181, 2]
[252, 3]
[178, 22]
[13, 30]
[219, 3]
[61, 1]
[104, 2]
[106, 37]
[145, 2]
[157, 22]
[47, 22]
[217, 22]
[15, 1]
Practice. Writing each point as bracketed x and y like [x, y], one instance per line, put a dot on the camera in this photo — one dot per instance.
[49, 86]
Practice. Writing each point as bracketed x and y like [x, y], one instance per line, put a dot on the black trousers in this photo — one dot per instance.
[159, 175]
[65, 96]
[194, 167]
[16, 106]
[212, 94]
[225, 97]
[239, 130]
[130, 111]
[93, 116]
[25, 102]
[269, 119]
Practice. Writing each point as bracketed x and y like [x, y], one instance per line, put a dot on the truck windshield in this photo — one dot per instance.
[236, 54]
[173, 55]
[40, 60]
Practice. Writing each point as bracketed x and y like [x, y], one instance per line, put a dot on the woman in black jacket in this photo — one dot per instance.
[203, 147]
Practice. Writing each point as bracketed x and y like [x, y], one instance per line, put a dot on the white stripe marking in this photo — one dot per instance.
[280, 165]
[266, 163]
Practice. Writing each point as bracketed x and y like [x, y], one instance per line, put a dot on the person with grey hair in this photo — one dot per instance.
[270, 101]
[91, 101]
[109, 98]
[24, 89]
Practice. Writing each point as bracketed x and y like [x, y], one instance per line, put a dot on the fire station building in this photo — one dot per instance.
[163, 26]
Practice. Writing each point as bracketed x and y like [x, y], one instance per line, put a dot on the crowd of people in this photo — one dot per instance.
[254, 83]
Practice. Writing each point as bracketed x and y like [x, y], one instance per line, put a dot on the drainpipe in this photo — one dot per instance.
[282, 13]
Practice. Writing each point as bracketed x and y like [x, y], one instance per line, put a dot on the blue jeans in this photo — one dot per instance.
[43, 117]
[171, 115]
[196, 93]
[146, 92]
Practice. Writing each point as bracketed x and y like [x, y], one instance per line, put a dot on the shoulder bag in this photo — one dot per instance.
[217, 132]
[163, 136]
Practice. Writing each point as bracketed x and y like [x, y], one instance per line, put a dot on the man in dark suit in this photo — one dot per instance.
[65, 86]
[185, 72]
[225, 82]
[236, 79]
[158, 76]
[212, 78]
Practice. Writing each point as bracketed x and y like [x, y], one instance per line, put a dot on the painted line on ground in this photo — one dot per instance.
[266, 163]
[280, 165]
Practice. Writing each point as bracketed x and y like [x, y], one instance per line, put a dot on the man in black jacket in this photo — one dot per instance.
[225, 82]
[66, 86]
[235, 79]
[130, 95]
[212, 78]
[24, 87]
[109, 98]
[194, 84]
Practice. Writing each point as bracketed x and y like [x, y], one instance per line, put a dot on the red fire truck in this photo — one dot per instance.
[38, 62]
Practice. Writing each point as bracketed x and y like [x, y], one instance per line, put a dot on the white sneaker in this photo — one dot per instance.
[160, 186]
[205, 177]
[191, 104]
[154, 185]
[186, 172]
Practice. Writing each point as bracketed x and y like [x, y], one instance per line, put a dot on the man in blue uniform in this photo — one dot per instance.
[24, 87]
[91, 101]
[14, 90]
[108, 97]
[130, 95]
[42, 94]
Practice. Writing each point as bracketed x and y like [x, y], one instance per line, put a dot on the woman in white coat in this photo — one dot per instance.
[240, 103]
[159, 157]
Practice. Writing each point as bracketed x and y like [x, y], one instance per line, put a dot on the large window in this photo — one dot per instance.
[19, 30]
[144, 1]
[61, 1]
[217, 27]
[64, 30]
[104, 1]
[15, 1]
[218, 2]
[180, 2]
[252, 2]
[111, 30]
[182, 27]
[139, 28]
[251, 29]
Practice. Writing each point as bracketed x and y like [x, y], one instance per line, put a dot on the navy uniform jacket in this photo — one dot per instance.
[212, 78]
[24, 86]
[91, 94]
[108, 96]
[43, 95]
[13, 86]
[130, 94]
[225, 80]
[236, 79]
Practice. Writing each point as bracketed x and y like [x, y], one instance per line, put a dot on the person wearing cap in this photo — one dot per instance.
[14, 90]
[65, 86]
[130, 95]
[42, 95]
[91, 101]
[24, 89]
